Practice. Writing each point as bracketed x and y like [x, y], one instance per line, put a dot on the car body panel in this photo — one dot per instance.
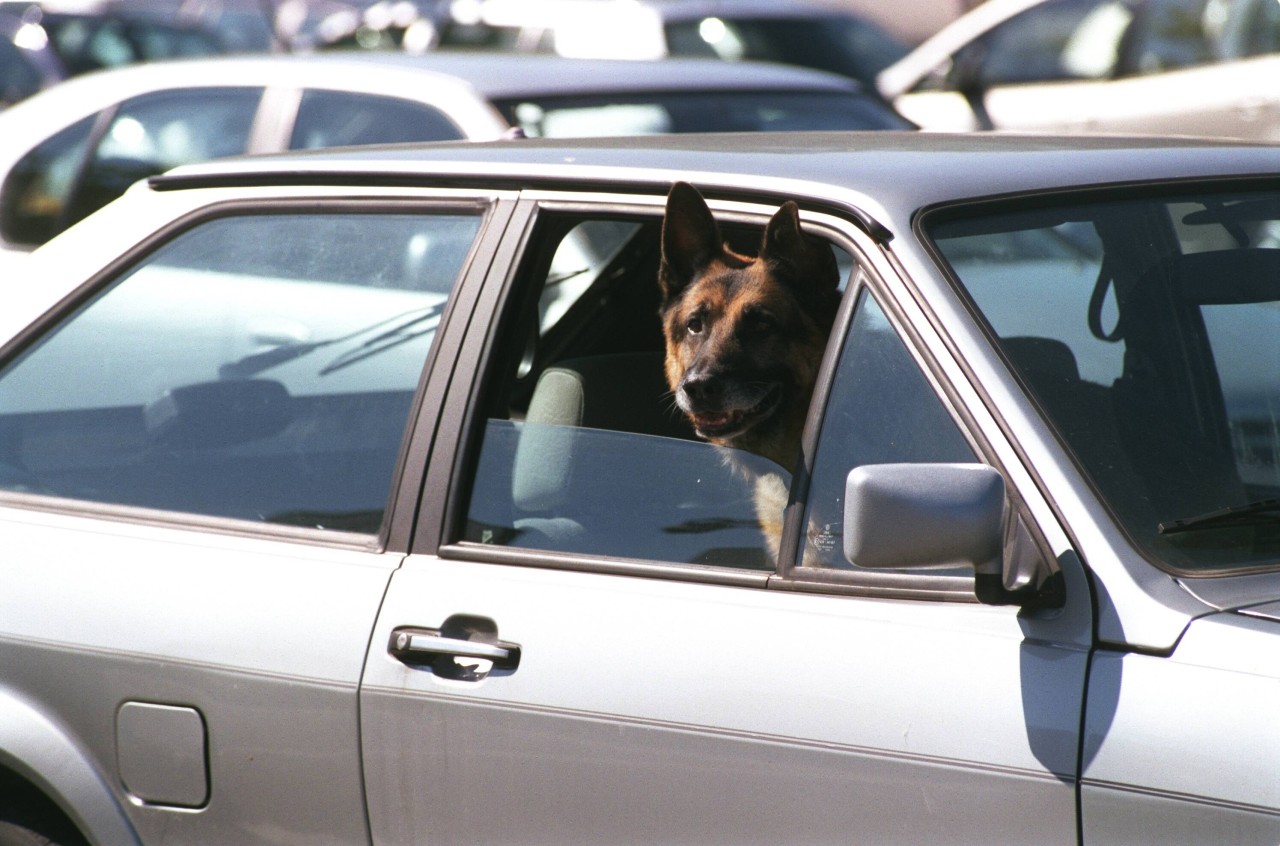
[298, 649]
[1209, 693]
[543, 753]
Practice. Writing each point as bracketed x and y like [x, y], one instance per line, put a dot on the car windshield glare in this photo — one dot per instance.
[719, 111]
[1148, 333]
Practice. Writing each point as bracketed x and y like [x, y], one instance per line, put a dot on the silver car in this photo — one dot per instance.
[342, 502]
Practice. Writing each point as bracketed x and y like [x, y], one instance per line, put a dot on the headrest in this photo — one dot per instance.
[623, 392]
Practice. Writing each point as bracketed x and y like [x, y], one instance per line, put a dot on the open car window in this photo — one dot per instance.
[583, 450]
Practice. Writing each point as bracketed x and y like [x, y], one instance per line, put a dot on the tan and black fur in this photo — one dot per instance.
[745, 336]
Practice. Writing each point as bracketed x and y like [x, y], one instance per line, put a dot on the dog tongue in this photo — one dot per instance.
[714, 421]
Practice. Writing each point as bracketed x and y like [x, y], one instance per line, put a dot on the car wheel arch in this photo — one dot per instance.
[37, 755]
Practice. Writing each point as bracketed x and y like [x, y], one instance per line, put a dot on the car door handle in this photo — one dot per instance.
[465, 647]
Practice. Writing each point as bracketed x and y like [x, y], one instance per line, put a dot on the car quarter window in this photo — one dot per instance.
[257, 366]
[90, 163]
[341, 118]
[583, 448]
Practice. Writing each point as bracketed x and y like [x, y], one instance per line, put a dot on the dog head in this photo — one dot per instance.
[744, 334]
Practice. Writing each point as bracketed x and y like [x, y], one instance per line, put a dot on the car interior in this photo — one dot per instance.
[1173, 420]
[584, 450]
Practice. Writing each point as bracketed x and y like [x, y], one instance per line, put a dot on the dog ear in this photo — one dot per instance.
[799, 257]
[783, 239]
[690, 239]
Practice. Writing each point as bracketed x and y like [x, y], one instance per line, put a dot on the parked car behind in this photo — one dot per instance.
[822, 34]
[1202, 67]
[108, 38]
[27, 62]
[70, 150]
[342, 500]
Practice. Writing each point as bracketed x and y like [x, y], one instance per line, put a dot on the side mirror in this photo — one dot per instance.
[929, 516]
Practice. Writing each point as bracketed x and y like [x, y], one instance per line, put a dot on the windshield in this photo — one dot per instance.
[719, 111]
[1148, 331]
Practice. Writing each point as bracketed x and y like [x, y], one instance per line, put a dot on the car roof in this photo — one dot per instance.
[886, 174]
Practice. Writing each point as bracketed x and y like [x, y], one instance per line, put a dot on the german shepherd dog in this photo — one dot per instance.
[745, 335]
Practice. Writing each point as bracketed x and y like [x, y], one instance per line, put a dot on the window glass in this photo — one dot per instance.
[155, 132]
[270, 383]
[583, 449]
[18, 76]
[34, 200]
[882, 410]
[723, 111]
[841, 44]
[1056, 40]
[339, 118]
[1153, 351]
[1175, 34]
[1254, 33]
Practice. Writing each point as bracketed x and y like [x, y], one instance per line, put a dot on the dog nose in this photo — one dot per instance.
[702, 389]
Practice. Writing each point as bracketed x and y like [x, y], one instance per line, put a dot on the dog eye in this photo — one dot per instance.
[694, 325]
[762, 324]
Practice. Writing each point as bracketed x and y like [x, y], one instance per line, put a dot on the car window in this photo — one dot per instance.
[583, 450]
[1175, 34]
[722, 111]
[85, 166]
[90, 42]
[845, 45]
[1055, 40]
[155, 132]
[19, 78]
[1152, 351]
[36, 195]
[340, 118]
[1256, 32]
[258, 367]
[882, 410]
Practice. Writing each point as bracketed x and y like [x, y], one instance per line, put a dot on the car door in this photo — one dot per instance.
[591, 642]
[201, 467]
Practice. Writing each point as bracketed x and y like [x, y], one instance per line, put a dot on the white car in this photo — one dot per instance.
[1200, 67]
[68, 151]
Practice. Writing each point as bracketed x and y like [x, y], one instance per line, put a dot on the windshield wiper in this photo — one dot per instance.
[255, 363]
[1251, 514]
